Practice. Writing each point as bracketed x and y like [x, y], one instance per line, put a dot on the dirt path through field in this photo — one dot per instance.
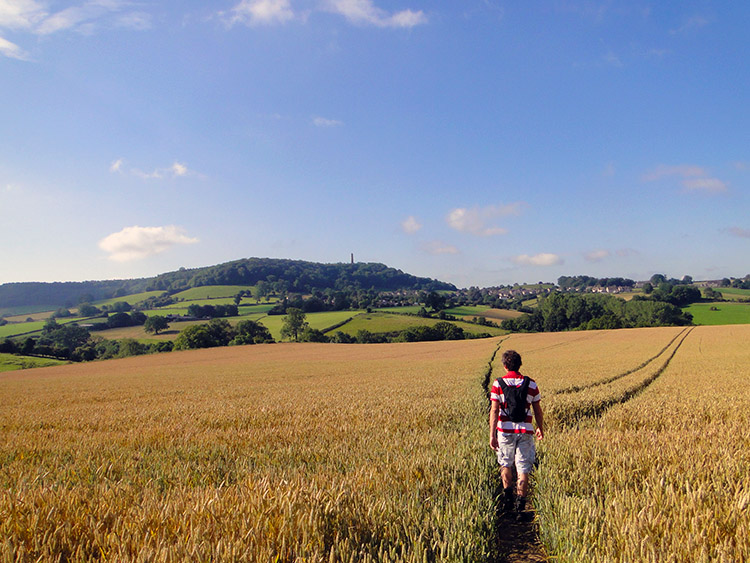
[517, 541]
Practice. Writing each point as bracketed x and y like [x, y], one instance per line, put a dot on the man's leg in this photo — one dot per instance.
[525, 456]
[506, 453]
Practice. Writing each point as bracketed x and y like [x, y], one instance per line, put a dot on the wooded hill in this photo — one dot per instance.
[292, 275]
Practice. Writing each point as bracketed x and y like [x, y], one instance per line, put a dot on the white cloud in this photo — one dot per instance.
[261, 12]
[694, 22]
[365, 12]
[136, 243]
[116, 166]
[411, 225]
[663, 171]
[543, 259]
[597, 255]
[176, 170]
[32, 17]
[179, 169]
[692, 178]
[738, 232]
[13, 51]
[20, 14]
[139, 21]
[705, 184]
[437, 247]
[323, 122]
[475, 220]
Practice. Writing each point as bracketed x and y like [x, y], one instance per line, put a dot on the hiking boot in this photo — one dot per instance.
[521, 514]
[508, 500]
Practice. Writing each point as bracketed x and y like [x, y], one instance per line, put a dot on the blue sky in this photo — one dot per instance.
[479, 142]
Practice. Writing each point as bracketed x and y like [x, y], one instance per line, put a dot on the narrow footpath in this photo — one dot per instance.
[517, 542]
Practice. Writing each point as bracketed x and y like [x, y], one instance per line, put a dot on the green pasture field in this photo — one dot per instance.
[734, 293]
[408, 310]
[14, 329]
[384, 322]
[26, 311]
[11, 362]
[211, 301]
[319, 321]
[131, 299]
[40, 316]
[475, 310]
[211, 292]
[137, 332]
[726, 313]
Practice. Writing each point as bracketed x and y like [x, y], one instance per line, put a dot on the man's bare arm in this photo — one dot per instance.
[494, 414]
[539, 418]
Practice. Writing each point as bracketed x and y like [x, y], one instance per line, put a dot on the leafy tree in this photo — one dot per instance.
[155, 324]
[195, 336]
[87, 310]
[8, 346]
[121, 307]
[648, 288]
[131, 347]
[312, 335]
[294, 323]
[342, 338]
[251, 332]
[28, 346]
[61, 313]
[449, 331]
[434, 300]
[221, 332]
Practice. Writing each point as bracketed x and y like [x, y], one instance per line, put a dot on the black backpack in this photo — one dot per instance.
[515, 399]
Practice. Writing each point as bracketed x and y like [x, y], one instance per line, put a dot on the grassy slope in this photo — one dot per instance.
[383, 322]
[211, 292]
[727, 313]
[11, 362]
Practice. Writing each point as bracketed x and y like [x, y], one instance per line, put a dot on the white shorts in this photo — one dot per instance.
[518, 449]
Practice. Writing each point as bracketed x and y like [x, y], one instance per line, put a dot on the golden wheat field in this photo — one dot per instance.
[662, 473]
[323, 452]
[286, 452]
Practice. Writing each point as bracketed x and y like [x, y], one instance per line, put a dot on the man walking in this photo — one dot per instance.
[513, 398]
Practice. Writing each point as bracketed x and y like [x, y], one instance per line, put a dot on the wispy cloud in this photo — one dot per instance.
[12, 51]
[261, 12]
[34, 17]
[692, 178]
[597, 255]
[410, 225]
[437, 247]
[364, 12]
[325, 122]
[690, 24]
[543, 259]
[176, 170]
[116, 166]
[738, 232]
[136, 243]
[477, 220]
[20, 14]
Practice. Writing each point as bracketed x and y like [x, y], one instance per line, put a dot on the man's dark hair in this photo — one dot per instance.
[512, 360]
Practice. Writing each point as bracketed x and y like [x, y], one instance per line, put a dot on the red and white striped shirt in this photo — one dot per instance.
[505, 424]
